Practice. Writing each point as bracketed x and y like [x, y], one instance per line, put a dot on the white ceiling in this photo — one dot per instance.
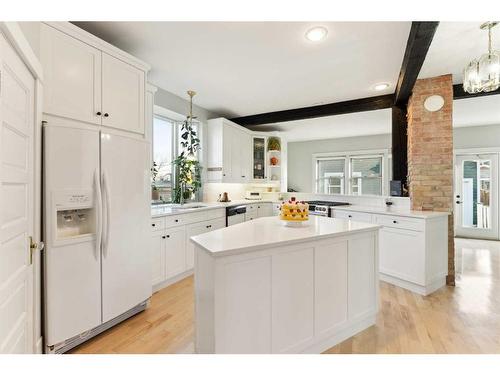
[454, 45]
[478, 111]
[245, 68]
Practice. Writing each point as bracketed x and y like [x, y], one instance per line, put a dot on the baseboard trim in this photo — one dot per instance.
[423, 290]
[172, 280]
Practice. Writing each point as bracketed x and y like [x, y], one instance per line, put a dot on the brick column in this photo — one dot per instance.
[430, 154]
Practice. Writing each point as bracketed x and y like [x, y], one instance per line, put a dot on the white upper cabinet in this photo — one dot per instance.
[229, 152]
[89, 80]
[122, 95]
[72, 70]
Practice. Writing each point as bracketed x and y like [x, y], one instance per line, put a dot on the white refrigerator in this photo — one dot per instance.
[97, 262]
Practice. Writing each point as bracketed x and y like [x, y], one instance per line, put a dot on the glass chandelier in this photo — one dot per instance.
[483, 74]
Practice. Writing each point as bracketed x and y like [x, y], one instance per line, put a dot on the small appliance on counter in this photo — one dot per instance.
[322, 208]
[253, 195]
[224, 197]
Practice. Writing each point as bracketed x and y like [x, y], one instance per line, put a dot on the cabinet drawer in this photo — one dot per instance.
[251, 207]
[351, 215]
[174, 220]
[400, 222]
[215, 214]
[157, 223]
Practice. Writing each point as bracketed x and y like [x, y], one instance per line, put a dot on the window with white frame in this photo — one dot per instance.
[353, 173]
[166, 147]
[366, 175]
[330, 175]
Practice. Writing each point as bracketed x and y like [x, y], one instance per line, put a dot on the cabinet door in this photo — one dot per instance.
[196, 229]
[175, 251]
[265, 209]
[402, 254]
[193, 230]
[123, 94]
[227, 135]
[158, 250]
[236, 155]
[72, 76]
[245, 149]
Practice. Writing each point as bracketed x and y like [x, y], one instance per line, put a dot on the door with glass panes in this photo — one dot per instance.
[476, 196]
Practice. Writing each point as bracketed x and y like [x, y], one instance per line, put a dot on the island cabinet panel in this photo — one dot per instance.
[246, 306]
[402, 254]
[284, 297]
[363, 277]
[330, 287]
[293, 296]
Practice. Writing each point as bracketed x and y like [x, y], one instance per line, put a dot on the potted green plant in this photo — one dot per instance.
[187, 168]
[273, 144]
[155, 193]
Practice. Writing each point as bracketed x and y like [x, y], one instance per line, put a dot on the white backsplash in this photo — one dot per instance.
[211, 192]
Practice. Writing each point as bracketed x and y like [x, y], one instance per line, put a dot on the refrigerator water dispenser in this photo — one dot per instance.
[75, 214]
[73, 223]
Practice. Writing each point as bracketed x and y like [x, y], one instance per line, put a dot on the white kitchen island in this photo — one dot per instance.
[262, 287]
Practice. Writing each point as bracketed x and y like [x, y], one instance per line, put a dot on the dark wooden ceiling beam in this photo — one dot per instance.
[419, 41]
[339, 108]
[459, 93]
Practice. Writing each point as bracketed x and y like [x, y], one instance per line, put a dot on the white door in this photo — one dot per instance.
[476, 196]
[16, 202]
[227, 135]
[72, 270]
[126, 249]
[72, 76]
[123, 95]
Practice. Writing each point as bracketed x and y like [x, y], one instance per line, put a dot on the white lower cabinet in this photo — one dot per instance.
[173, 252]
[413, 252]
[196, 229]
[256, 210]
[158, 271]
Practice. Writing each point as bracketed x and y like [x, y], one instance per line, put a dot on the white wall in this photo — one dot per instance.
[300, 173]
[476, 136]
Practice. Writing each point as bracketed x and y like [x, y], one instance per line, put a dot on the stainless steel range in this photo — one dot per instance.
[322, 208]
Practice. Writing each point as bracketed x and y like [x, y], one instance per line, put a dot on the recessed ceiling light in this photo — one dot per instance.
[316, 34]
[381, 86]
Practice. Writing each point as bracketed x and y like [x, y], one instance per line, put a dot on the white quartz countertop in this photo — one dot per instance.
[269, 232]
[390, 210]
[168, 209]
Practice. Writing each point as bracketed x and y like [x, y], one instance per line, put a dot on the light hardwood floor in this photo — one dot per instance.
[463, 319]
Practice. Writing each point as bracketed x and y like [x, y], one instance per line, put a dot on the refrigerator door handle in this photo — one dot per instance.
[107, 215]
[98, 196]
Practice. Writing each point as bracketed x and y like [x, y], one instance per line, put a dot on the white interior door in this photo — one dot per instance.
[126, 255]
[16, 202]
[476, 196]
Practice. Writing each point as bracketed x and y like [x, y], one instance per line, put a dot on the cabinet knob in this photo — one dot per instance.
[106, 114]
[98, 113]
[176, 220]
[349, 215]
[153, 225]
[168, 235]
[163, 237]
[394, 221]
[209, 226]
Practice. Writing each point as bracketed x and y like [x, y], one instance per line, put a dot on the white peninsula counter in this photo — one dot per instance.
[262, 287]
